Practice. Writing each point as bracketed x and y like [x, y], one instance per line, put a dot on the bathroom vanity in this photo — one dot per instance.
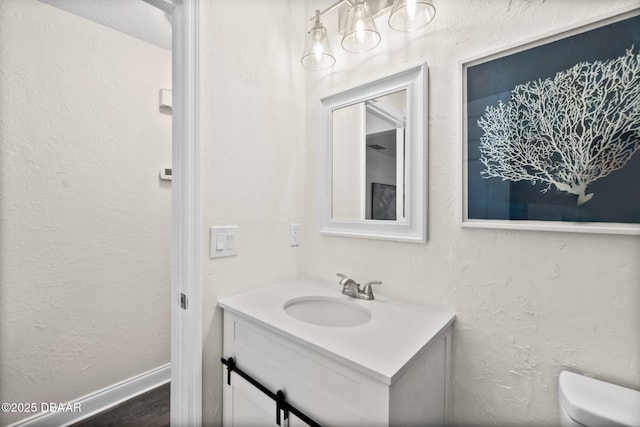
[340, 360]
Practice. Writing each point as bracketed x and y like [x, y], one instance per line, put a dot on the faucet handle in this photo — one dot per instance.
[367, 288]
[343, 279]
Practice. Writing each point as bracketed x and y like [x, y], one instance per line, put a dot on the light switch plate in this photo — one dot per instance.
[223, 241]
[166, 99]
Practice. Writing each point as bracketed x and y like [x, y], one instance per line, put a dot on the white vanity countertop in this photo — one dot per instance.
[396, 333]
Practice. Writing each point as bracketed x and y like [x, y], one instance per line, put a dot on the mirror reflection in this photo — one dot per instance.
[368, 164]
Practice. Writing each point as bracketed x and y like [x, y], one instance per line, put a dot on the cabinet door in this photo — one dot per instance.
[295, 421]
[245, 405]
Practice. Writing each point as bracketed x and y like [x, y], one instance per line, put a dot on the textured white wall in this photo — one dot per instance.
[84, 221]
[252, 138]
[528, 303]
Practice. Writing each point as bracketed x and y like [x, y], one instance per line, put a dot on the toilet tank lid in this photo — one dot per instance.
[592, 402]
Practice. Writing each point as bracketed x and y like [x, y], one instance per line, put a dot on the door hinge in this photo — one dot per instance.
[184, 302]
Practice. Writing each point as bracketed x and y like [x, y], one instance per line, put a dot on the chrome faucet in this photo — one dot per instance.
[351, 288]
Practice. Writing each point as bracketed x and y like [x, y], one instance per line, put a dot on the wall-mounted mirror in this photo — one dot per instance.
[375, 159]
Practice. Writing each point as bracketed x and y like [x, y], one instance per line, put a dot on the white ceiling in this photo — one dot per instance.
[133, 17]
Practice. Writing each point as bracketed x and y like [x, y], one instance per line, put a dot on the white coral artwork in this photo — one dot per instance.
[567, 131]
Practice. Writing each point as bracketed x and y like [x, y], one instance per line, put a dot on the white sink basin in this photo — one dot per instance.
[327, 311]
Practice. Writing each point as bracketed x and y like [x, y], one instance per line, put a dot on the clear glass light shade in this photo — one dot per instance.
[361, 33]
[409, 15]
[317, 55]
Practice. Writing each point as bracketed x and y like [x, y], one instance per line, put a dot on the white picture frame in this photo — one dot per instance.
[485, 205]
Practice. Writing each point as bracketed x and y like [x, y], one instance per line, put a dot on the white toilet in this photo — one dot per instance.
[588, 402]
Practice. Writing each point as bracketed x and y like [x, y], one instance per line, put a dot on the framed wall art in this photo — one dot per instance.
[383, 201]
[551, 131]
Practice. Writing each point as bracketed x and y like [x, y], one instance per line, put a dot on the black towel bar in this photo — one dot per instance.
[278, 397]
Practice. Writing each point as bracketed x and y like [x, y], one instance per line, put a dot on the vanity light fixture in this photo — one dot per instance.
[410, 15]
[358, 29]
[361, 33]
[317, 55]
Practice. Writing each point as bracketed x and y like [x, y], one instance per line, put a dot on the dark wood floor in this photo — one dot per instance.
[150, 409]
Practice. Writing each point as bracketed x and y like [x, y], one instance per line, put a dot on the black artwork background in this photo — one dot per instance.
[383, 201]
[616, 197]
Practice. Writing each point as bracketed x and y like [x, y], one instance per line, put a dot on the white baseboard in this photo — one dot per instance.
[101, 400]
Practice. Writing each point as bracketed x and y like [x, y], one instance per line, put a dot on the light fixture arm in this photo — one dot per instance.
[329, 9]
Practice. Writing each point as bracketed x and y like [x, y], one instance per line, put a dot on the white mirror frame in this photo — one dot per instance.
[414, 227]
